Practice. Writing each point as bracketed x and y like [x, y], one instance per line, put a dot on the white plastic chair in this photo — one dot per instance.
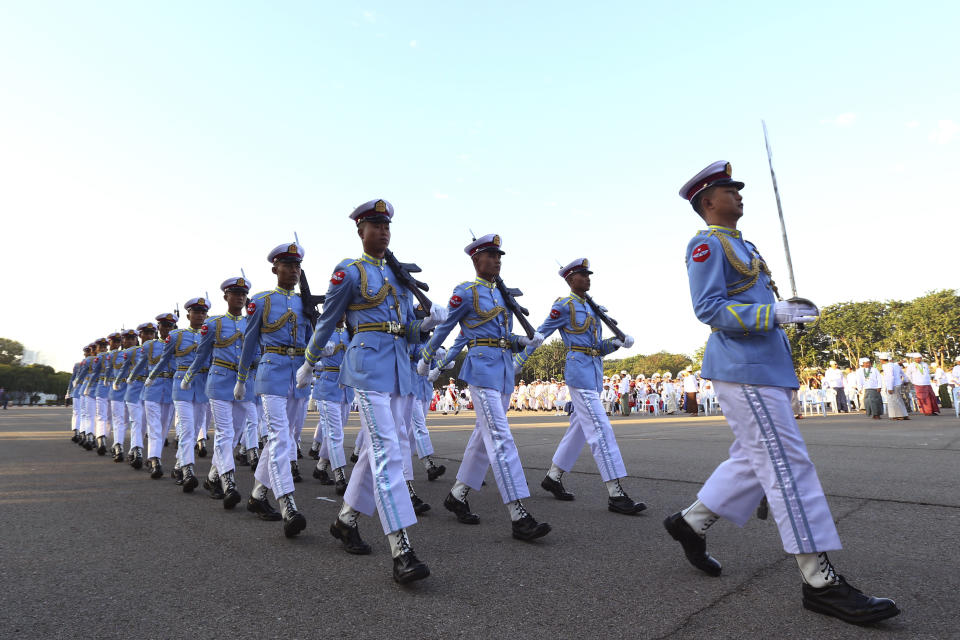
[956, 400]
[653, 400]
[830, 398]
[815, 403]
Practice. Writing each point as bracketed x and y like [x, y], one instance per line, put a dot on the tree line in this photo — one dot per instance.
[23, 381]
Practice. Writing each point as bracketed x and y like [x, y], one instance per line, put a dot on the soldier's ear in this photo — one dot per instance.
[273, 269]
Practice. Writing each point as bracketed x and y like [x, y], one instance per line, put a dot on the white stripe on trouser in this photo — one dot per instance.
[137, 423]
[403, 436]
[769, 457]
[229, 417]
[119, 418]
[251, 419]
[187, 415]
[417, 429]
[589, 423]
[103, 417]
[491, 445]
[159, 417]
[333, 415]
[274, 472]
[377, 480]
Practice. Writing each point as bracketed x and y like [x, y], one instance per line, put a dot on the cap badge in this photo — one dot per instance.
[201, 302]
[496, 241]
[292, 249]
[729, 169]
[241, 283]
[380, 206]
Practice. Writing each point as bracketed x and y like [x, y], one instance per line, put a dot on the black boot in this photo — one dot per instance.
[299, 452]
[231, 497]
[101, 445]
[694, 547]
[844, 601]
[350, 537]
[137, 461]
[322, 476]
[156, 471]
[293, 520]
[623, 504]
[461, 509]
[354, 457]
[315, 451]
[556, 488]
[118, 452]
[263, 509]
[526, 528]
[241, 458]
[406, 566]
[177, 474]
[341, 484]
[419, 506]
[213, 486]
[253, 457]
[90, 443]
[434, 471]
[75, 437]
[190, 481]
[201, 448]
[295, 471]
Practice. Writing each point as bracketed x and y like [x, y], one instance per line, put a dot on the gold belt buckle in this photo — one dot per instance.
[291, 351]
[502, 343]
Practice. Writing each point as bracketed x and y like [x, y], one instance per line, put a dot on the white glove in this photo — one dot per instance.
[437, 315]
[450, 365]
[304, 374]
[239, 391]
[185, 383]
[148, 381]
[626, 343]
[116, 386]
[433, 375]
[534, 342]
[423, 367]
[795, 311]
[328, 350]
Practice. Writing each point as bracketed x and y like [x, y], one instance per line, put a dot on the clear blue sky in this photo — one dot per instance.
[150, 150]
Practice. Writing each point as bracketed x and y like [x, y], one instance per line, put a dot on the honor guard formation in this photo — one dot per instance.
[247, 379]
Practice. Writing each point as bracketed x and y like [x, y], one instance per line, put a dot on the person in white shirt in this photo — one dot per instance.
[918, 372]
[607, 397]
[833, 378]
[669, 393]
[850, 389]
[869, 381]
[624, 394]
[690, 387]
[892, 381]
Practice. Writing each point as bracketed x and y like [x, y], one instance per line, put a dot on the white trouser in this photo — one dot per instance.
[102, 425]
[491, 445]
[201, 419]
[769, 457]
[86, 413]
[261, 422]
[119, 419]
[137, 423]
[297, 421]
[188, 413]
[159, 416]
[248, 437]
[417, 428]
[280, 412]
[377, 481]
[229, 419]
[589, 423]
[329, 433]
[403, 436]
[75, 419]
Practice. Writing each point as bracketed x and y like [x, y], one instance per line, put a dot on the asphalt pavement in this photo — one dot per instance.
[93, 549]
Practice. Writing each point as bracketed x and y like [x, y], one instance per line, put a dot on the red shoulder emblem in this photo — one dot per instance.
[455, 301]
[251, 307]
[96, 360]
[554, 314]
[700, 253]
[337, 277]
[204, 329]
[166, 340]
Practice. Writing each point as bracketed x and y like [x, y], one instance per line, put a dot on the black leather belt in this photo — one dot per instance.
[500, 343]
[284, 350]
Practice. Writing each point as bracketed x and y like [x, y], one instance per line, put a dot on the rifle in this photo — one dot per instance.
[605, 319]
[510, 299]
[403, 271]
[309, 300]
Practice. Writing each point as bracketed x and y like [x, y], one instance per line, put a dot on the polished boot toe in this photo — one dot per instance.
[461, 508]
[354, 457]
[322, 476]
[190, 483]
[526, 528]
[350, 537]
[624, 505]
[844, 601]
[231, 499]
[694, 547]
[556, 488]
[213, 486]
[293, 524]
[340, 487]
[201, 448]
[435, 472]
[157, 471]
[408, 568]
[263, 509]
[419, 506]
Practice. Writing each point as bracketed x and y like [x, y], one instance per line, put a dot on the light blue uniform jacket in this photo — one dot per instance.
[162, 388]
[221, 343]
[133, 388]
[275, 322]
[732, 292]
[180, 350]
[479, 309]
[326, 373]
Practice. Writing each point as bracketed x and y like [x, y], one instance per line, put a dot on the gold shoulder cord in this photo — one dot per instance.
[575, 328]
[150, 359]
[485, 316]
[377, 299]
[220, 343]
[176, 348]
[750, 274]
[270, 327]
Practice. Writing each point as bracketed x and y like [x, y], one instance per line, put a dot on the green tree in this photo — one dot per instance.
[11, 351]
[546, 362]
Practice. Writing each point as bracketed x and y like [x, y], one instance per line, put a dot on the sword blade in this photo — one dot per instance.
[783, 226]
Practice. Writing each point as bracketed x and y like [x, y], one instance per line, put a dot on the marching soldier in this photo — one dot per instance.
[489, 369]
[158, 394]
[377, 366]
[748, 359]
[74, 391]
[190, 404]
[133, 393]
[221, 342]
[581, 332]
[277, 329]
[118, 388]
[333, 405]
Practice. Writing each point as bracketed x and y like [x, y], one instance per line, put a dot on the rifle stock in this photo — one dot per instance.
[310, 301]
[510, 299]
[605, 319]
[403, 271]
